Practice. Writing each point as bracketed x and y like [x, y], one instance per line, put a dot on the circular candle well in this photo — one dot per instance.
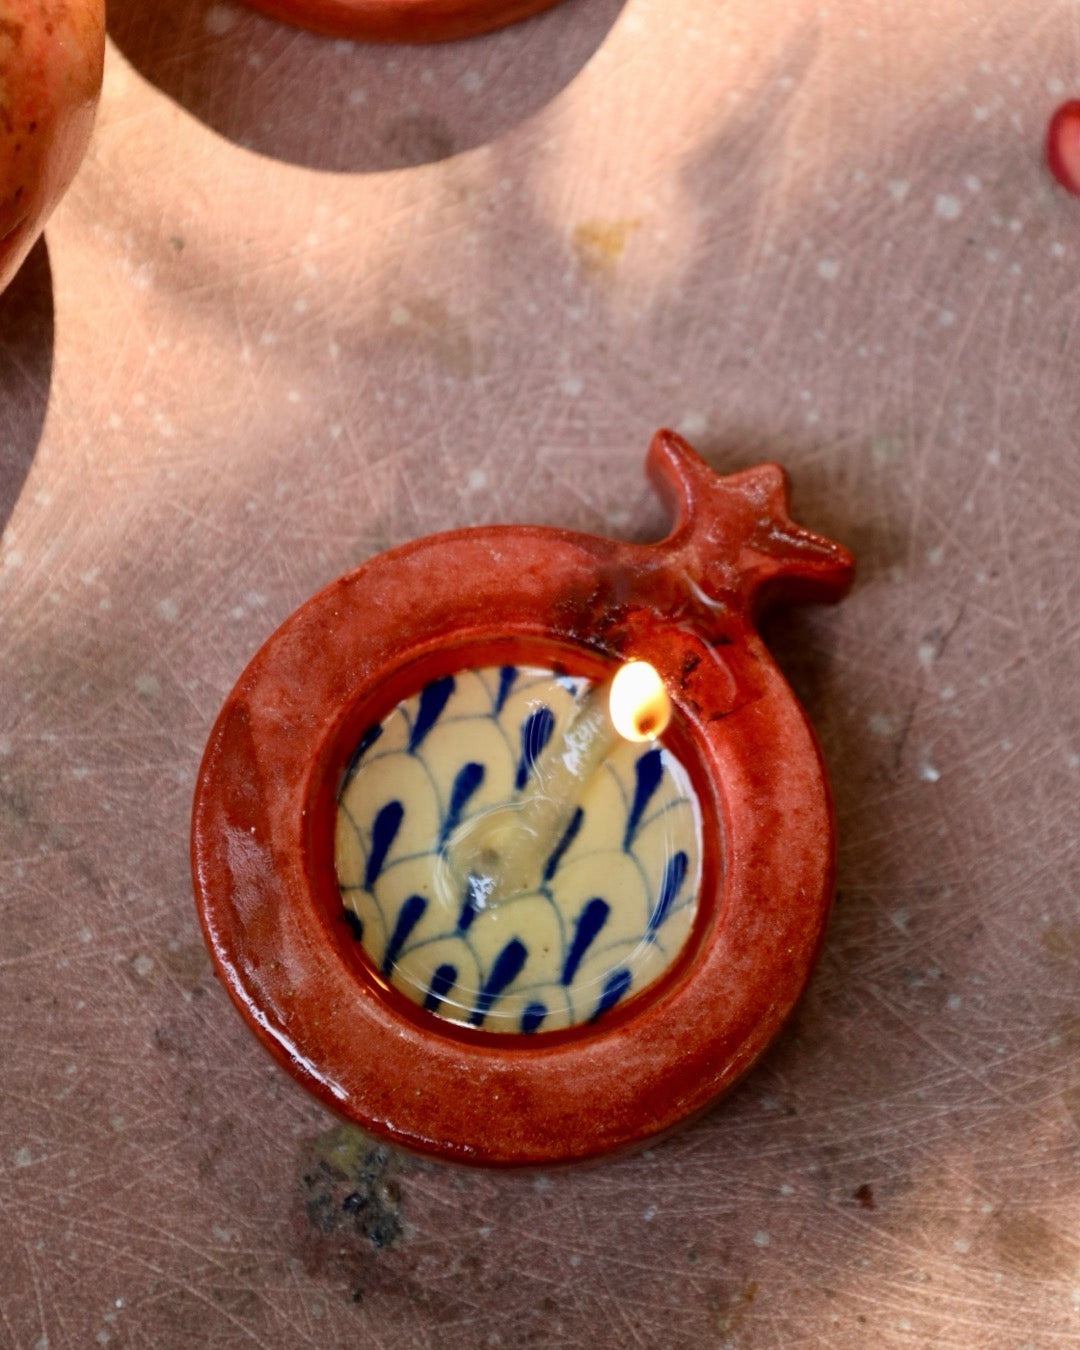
[613, 895]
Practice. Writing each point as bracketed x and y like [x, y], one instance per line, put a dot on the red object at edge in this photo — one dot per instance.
[1063, 145]
[263, 820]
[401, 20]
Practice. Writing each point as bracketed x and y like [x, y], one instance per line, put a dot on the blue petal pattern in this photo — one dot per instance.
[383, 834]
[432, 701]
[589, 922]
[535, 733]
[507, 968]
[648, 772]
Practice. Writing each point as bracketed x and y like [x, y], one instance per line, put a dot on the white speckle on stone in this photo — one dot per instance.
[357, 97]
[980, 112]
[649, 1213]
[300, 305]
[961, 1245]
[42, 1342]
[572, 386]
[1055, 86]
[786, 1188]
[13, 558]
[267, 338]
[117, 1122]
[471, 81]
[898, 188]
[85, 935]
[927, 653]
[761, 1238]
[900, 918]
[1057, 249]
[477, 480]
[1073, 761]
[80, 772]
[147, 686]
[879, 724]
[692, 425]
[219, 19]
[5, 747]
[953, 1002]
[142, 965]
[973, 183]
[947, 206]
[168, 609]
[947, 694]
[222, 1234]
[400, 315]
[946, 317]
[293, 395]
[929, 774]
[828, 269]
[935, 556]
[542, 1184]
[993, 458]
[23, 1156]
[575, 1260]
[114, 421]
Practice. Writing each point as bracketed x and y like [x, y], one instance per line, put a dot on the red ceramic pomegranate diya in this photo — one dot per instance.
[513, 845]
[401, 20]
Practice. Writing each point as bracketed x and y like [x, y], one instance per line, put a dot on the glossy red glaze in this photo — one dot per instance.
[1063, 145]
[401, 20]
[261, 850]
[51, 62]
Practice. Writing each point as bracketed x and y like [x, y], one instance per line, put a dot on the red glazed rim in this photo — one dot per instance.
[401, 20]
[261, 855]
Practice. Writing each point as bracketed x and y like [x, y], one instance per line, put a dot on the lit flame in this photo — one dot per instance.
[639, 706]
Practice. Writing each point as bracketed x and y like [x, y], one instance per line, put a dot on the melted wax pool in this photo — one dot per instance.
[616, 895]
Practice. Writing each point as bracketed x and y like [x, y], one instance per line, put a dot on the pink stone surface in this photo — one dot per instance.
[306, 301]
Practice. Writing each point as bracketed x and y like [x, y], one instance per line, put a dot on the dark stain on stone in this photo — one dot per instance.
[864, 1196]
[349, 1188]
[1029, 1245]
[1061, 942]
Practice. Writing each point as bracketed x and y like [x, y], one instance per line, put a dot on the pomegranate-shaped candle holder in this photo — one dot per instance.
[487, 901]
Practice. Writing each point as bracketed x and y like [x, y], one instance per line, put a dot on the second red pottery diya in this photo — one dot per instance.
[401, 20]
[513, 845]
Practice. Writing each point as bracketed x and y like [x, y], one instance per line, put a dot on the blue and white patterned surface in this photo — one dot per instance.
[618, 891]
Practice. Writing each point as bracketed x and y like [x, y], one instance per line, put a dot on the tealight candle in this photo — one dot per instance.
[514, 848]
